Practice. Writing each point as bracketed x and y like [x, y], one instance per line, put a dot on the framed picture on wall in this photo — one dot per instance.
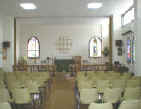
[119, 51]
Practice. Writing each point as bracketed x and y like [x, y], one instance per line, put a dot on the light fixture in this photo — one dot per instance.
[94, 5]
[28, 6]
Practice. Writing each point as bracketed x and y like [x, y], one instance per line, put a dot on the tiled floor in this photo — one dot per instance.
[62, 93]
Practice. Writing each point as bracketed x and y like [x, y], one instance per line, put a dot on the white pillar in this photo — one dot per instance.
[1, 39]
[9, 36]
[138, 37]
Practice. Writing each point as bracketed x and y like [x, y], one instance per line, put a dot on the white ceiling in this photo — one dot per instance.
[65, 8]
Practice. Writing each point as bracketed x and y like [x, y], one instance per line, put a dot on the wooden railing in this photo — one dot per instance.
[90, 67]
[35, 68]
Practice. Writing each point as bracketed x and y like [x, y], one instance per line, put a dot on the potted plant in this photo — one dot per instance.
[106, 51]
[22, 61]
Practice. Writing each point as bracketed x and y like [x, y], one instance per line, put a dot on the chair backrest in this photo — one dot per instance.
[15, 84]
[102, 84]
[125, 76]
[129, 104]
[140, 104]
[132, 93]
[4, 95]
[118, 83]
[117, 74]
[133, 83]
[85, 84]
[21, 95]
[5, 105]
[112, 77]
[101, 75]
[32, 86]
[2, 85]
[136, 78]
[88, 96]
[112, 95]
[100, 106]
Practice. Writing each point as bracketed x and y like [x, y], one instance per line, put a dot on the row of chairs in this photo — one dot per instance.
[113, 95]
[129, 104]
[114, 87]
[106, 80]
[24, 88]
[4, 94]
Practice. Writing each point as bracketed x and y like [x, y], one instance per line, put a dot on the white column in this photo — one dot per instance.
[1, 39]
[8, 26]
[138, 37]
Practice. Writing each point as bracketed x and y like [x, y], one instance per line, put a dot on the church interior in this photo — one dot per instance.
[70, 54]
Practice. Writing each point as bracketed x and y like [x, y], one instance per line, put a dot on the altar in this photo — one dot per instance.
[62, 65]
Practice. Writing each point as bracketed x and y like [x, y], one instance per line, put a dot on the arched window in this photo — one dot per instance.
[33, 48]
[95, 47]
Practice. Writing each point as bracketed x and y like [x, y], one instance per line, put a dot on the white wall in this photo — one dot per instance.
[136, 28]
[6, 34]
[48, 30]
[117, 31]
[117, 35]
[17, 41]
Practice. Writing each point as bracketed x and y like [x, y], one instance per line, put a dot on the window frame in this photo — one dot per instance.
[37, 57]
[90, 46]
[122, 16]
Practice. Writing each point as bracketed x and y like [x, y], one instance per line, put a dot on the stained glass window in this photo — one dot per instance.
[130, 48]
[33, 48]
[95, 47]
